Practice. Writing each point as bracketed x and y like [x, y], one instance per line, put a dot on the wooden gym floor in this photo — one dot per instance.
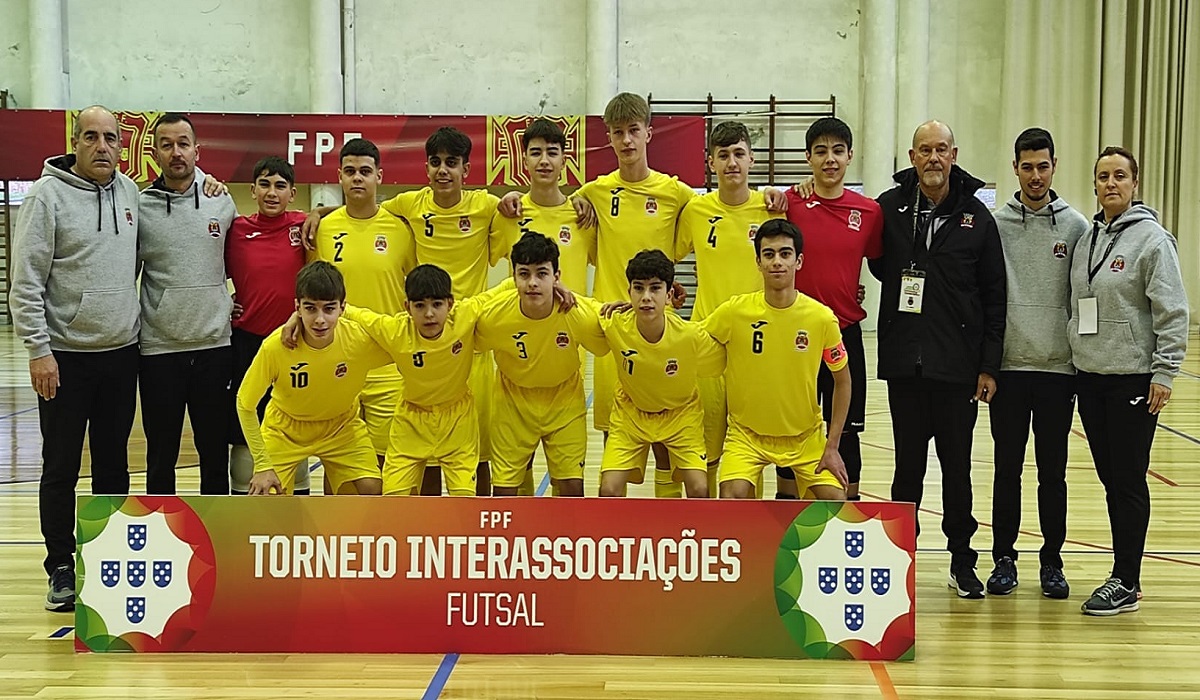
[1018, 646]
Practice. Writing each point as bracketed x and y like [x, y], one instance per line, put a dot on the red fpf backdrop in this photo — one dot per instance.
[230, 144]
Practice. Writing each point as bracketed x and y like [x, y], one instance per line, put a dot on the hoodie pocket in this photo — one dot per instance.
[1036, 335]
[106, 318]
[1123, 350]
[191, 314]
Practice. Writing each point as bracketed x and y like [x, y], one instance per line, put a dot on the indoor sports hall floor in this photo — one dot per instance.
[1019, 646]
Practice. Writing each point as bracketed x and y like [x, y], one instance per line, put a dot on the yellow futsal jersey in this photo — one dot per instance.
[723, 238]
[373, 256]
[538, 353]
[576, 245]
[460, 240]
[661, 376]
[435, 371]
[773, 358]
[632, 217]
[307, 384]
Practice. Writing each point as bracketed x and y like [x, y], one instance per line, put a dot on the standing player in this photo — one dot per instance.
[263, 254]
[313, 409]
[186, 361]
[659, 357]
[775, 341]
[841, 228]
[373, 248]
[539, 386]
[720, 227]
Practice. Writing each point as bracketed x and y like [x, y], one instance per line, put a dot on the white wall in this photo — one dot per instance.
[14, 50]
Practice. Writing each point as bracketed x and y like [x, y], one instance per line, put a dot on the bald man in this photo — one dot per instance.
[941, 329]
[75, 307]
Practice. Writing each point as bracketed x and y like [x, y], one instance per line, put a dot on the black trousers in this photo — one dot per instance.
[97, 394]
[197, 381]
[244, 346]
[1048, 400]
[1120, 432]
[922, 409]
[849, 448]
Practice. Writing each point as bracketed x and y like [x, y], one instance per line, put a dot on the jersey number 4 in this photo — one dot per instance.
[712, 231]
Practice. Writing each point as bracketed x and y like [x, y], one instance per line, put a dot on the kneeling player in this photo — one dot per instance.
[775, 341]
[313, 410]
[658, 356]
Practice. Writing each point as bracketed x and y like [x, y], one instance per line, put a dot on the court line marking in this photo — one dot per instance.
[884, 681]
[1151, 472]
[438, 682]
[17, 413]
[61, 632]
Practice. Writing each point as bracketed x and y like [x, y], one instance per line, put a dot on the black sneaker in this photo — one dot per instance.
[1054, 584]
[1004, 577]
[1113, 598]
[61, 597]
[966, 583]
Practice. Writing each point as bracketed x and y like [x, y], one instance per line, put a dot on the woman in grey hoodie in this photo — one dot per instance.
[1128, 332]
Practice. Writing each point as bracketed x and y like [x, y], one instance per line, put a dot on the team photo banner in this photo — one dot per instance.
[230, 145]
[784, 579]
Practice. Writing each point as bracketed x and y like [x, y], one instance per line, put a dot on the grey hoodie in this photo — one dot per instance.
[181, 251]
[74, 263]
[1037, 260]
[1143, 308]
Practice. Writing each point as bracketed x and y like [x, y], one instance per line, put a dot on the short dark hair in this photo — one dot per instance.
[172, 118]
[274, 165]
[1118, 151]
[450, 141]
[1033, 139]
[727, 134]
[828, 127]
[650, 264]
[546, 130]
[428, 282]
[534, 249]
[360, 147]
[774, 228]
[320, 281]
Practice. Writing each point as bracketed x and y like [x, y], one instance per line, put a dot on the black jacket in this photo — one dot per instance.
[960, 331]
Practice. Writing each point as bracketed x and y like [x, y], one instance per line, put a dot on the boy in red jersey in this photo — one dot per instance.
[263, 254]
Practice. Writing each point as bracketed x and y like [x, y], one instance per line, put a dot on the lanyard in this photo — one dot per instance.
[1093, 271]
[919, 227]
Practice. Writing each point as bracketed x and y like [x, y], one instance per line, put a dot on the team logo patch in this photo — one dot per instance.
[128, 216]
[827, 579]
[457, 348]
[854, 579]
[294, 236]
[564, 235]
[672, 367]
[802, 340]
[464, 224]
[854, 221]
[110, 573]
[834, 354]
[854, 543]
[162, 573]
[380, 243]
[968, 220]
[135, 535]
[135, 573]
[855, 615]
[881, 581]
[341, 370]
[1060, 249]
[214, 228]
[651, 206]
[752, 232]
[562, 340]
[1118, 264]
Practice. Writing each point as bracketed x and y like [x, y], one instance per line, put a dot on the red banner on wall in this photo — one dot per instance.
[788, 579]
[230, 144]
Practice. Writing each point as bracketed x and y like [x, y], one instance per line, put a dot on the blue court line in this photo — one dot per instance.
[61, 632]
[314, 467]
[1179, 433]
[17, 413]
[440, 677]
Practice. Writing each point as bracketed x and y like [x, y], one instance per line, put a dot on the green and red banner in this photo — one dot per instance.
[496, 576]
[230, 145]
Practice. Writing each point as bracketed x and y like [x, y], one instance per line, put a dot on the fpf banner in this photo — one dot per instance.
[230, 145]
[515, 576]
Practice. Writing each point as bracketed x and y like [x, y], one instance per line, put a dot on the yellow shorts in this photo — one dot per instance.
[716, 415]
[604, 385]
[482, 382]
[747, 453]
[342, 445]
[446, 435]
[632, 431]
[523, 417]
[379, 396]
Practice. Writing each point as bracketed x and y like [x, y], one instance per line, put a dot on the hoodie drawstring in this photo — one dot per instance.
[196, 191]
[99, 208]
